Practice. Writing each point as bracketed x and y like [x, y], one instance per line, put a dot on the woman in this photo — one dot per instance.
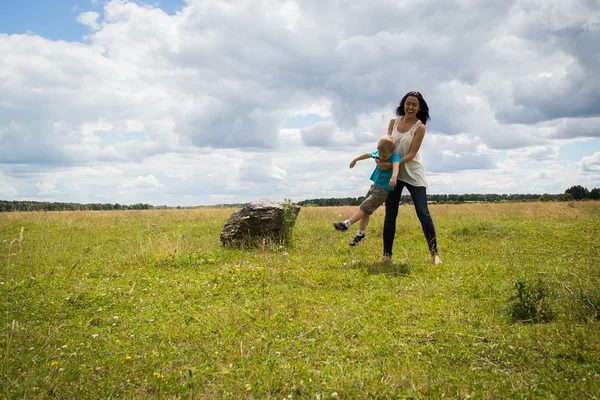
[408, 129]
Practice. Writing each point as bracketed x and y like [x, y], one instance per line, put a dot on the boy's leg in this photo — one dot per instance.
[376, 198]
[360, 234]
[364, 221]
[359, 215]
[344, 225]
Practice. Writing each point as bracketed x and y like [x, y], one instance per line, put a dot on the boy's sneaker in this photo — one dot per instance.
[340, 226]
[357, 239]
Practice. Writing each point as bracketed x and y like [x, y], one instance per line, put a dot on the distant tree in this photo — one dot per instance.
[565, 197]
[578, 192]
[595, 194]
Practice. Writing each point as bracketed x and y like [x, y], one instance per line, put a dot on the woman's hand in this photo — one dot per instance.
[383, 165]
[393, 181]
[353, 163]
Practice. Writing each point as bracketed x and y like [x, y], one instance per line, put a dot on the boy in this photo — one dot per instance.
[383, 182]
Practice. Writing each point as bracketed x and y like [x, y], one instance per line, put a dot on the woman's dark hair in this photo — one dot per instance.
[423, 114]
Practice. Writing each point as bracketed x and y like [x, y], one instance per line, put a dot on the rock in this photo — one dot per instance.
[261, 219]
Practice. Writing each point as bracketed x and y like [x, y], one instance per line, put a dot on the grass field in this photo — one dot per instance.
[146, 304]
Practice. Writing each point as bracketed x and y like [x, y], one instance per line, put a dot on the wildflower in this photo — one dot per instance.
[128, 357]
[54, 363]
[158, 375]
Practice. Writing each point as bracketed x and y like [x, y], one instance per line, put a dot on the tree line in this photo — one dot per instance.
[573, 193]
[581, 193]
[6, 206]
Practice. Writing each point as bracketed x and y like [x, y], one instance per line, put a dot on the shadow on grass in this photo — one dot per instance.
[392, 269]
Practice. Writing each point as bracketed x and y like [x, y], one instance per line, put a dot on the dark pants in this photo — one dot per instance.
[419, 196]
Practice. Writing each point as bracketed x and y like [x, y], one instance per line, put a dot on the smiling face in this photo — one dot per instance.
[411, 106]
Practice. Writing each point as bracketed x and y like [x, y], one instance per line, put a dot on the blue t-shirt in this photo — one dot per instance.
[382, 178]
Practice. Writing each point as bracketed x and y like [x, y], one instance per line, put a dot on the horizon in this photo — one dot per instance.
[404, 195]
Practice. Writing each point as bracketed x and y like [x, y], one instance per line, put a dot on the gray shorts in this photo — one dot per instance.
[375, 197]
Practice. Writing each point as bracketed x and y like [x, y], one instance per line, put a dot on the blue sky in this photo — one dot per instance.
[574, 151]
[205, 102]
[56, 19]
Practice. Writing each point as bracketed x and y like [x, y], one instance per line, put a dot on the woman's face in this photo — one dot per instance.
[411, 106]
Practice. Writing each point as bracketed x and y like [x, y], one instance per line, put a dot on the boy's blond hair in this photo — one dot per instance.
[386, 144]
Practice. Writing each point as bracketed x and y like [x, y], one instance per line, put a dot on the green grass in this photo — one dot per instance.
[147, 304]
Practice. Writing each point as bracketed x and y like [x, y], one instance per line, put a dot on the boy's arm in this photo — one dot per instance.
[361, 157]
[395, 169]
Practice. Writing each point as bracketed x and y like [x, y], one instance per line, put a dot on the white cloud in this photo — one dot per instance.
[7, 189]
[102, 172]
[47, 186]
[591, 163]
[89, 19]
[322, 134]
[261, 169]
[140, 182]
[207, 90]
[177, 175]
[535, 153]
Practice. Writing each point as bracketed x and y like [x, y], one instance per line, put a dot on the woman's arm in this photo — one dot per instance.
[415, 145]
[391, 126]
[383, 165]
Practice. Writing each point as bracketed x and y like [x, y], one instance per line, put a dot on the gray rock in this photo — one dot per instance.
[261, 219]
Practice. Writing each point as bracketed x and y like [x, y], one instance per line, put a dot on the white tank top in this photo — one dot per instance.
[411, 172]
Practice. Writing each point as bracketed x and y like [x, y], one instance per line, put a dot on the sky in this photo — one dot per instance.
[201, 102]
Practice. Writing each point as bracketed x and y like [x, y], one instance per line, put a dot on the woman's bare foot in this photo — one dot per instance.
[385, 259]
[436, 260]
